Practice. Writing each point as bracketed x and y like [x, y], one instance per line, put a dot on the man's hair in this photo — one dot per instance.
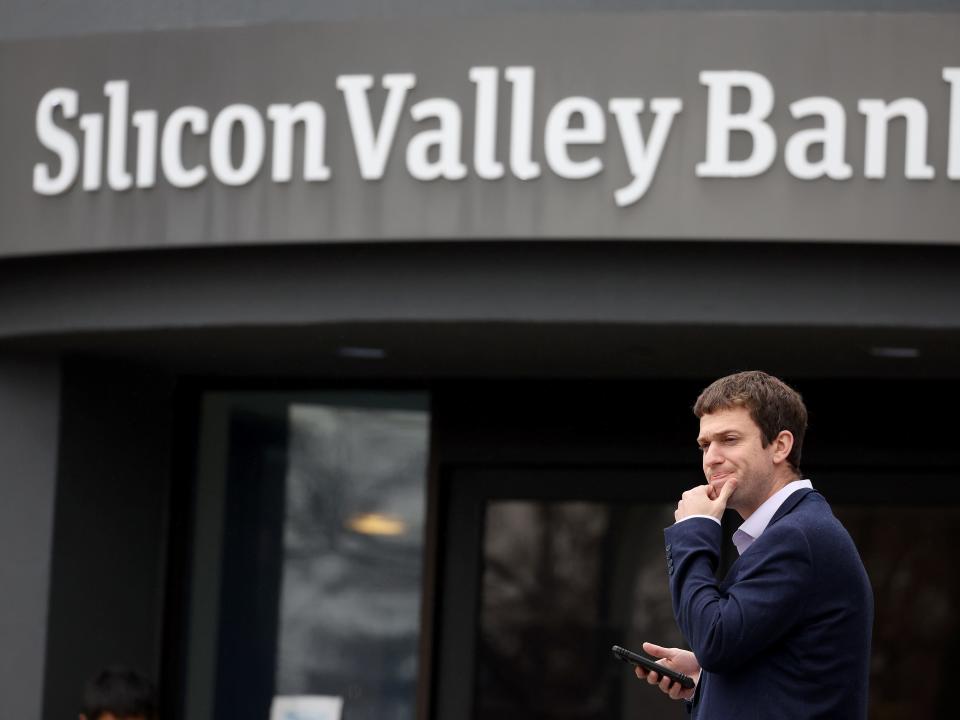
[120, 691]
[773, 405]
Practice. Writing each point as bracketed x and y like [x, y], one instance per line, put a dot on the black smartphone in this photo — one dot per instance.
[648, 663]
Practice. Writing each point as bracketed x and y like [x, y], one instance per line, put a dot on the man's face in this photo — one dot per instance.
[732, 447]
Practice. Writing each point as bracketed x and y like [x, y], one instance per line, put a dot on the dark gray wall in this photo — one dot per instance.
[29, 413]
[595, 309]
[600, 282]
[27, 18]
[107, 579]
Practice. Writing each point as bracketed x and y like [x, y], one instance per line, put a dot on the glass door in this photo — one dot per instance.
[544, 571]
[307, 565]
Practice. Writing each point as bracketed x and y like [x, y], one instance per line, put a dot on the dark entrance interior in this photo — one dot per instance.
[576, 473]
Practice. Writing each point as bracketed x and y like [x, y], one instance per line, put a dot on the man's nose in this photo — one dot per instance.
[712, 455]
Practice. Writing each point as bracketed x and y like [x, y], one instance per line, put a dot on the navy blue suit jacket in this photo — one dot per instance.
[787, 633]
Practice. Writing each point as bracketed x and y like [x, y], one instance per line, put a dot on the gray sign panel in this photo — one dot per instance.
[829, 127]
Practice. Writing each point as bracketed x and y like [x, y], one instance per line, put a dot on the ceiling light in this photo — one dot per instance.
[900, 353]
[362, 353]
[377, 524]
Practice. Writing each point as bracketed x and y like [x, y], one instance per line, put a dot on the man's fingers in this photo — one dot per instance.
[658, 651]
[726, 491]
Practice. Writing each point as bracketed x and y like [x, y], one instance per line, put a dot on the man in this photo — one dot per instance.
[787, 633]
[119, 694]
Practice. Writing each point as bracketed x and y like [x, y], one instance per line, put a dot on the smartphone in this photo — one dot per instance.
[648, 663]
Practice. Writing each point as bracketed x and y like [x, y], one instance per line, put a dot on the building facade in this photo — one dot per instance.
[347, 352]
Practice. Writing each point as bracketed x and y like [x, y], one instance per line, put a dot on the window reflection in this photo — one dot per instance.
[562, 582]
[308, 541]
[916, 634]
[352, 557]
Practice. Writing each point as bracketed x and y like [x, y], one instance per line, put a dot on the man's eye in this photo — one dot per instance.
[730, 440]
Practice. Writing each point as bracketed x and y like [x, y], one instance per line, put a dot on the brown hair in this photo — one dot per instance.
[774, 406]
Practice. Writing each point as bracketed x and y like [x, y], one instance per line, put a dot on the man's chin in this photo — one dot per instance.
[716, 486]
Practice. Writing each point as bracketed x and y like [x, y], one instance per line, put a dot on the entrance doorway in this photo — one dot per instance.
[545, 570]
[542, 537]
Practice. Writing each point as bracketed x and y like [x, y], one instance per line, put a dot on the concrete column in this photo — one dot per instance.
[29, 421]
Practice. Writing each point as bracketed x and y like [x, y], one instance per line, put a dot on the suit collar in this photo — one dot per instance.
[790, 503]
[785, 507]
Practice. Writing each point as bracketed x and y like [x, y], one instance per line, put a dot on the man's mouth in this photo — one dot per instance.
[719, 477]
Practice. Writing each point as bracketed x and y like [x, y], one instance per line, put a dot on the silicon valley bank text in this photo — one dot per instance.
[93, 146]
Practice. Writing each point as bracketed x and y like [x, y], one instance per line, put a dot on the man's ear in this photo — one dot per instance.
[782, 445]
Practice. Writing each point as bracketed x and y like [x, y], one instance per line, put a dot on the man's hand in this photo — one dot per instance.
[705, 500]
[676, 659]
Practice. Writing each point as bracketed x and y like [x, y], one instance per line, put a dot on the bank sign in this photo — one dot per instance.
[825, 127]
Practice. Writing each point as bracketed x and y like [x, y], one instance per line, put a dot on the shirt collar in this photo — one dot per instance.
[754, 525]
